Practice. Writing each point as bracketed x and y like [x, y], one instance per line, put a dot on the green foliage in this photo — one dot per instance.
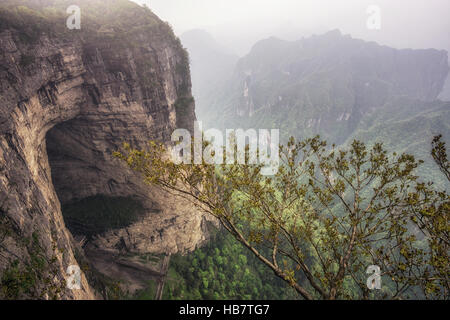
[183, 70]
[223, 269]
[33, 278]
[117, 20]
[407, 126]
[439, 154]
[148, 293]
[29, 23]
[324, 218]
[15, 282]
[432, 217]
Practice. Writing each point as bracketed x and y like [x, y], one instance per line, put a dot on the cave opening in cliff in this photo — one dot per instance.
[86, 192]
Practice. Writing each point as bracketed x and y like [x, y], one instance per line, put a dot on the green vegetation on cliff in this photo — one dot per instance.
[110, 18]
[320, 221]
[221, 270]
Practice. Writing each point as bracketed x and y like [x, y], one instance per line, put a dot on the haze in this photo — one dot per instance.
[239, 23]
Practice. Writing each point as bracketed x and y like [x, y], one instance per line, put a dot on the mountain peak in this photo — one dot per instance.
[336, 33]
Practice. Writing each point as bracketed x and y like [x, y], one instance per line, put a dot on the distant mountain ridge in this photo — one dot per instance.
[339, 87]
[324, 84]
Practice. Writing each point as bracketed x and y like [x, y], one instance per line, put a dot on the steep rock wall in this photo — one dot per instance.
[75, 100]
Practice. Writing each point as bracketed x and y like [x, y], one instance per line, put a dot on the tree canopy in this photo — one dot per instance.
[325, 217]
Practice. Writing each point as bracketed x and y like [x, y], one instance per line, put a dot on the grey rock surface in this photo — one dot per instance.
[65, 105]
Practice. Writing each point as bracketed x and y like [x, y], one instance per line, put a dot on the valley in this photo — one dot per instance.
[87, 119]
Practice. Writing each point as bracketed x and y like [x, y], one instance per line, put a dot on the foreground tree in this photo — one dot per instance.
[324, 218]
[431, 213]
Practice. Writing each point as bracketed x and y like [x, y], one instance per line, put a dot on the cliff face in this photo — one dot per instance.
[66, 103]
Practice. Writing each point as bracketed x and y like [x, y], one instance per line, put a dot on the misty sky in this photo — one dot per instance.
[239, 23]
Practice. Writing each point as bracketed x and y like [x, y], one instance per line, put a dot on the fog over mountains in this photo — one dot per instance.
[238, 25]
[330, 84]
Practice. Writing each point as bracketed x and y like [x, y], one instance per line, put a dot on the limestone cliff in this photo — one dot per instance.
[68, 99]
